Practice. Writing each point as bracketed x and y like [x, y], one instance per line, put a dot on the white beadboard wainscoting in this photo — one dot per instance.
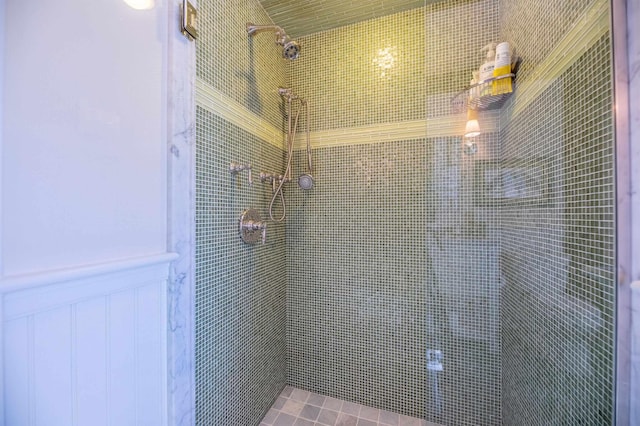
[86, 346]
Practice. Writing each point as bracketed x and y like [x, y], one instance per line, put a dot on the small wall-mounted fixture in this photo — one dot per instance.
[189, 15]
[235, 168]
[470, 147]
[272, 178]
[472, 128]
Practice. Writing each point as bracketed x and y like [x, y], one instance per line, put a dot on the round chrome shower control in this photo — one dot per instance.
[252, 228]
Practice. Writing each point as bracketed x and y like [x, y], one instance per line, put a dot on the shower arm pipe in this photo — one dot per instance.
[281, 36]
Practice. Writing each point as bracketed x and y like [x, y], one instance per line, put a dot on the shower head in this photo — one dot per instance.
[290, 48]
[305, 181]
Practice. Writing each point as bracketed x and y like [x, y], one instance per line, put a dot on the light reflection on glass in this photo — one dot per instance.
[385, 59]
[140, 4]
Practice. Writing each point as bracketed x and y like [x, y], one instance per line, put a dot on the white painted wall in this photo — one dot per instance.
[85, 89]
[88, 350]
[84, 133]
[2, 49]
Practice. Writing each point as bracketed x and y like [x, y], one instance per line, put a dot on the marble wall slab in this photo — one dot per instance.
[634, 402]
[631, 338]
[181, 238]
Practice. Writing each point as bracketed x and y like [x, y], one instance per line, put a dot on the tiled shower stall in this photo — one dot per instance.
[406, 244]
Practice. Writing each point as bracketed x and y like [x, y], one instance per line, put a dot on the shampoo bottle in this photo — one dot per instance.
[486, 69]
[502, 68]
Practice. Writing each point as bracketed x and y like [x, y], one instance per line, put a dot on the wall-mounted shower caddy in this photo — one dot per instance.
[462, 102]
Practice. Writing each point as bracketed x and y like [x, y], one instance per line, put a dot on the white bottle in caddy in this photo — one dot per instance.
[486, 69]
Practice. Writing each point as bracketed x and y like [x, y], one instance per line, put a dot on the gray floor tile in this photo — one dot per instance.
[389, 418]
[327, 417]
[270, 417]
[300, 395]
[369, 413]
[350, 408]
[332, 404]
[316, 399]
[297, 407]
[409, 421]
[310, 412]
[292, 407]
[279, 403]
[284, 420]
[346, 420]
[286, 392]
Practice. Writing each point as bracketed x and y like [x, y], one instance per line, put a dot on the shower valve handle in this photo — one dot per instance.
[250, 222]
[257, 226]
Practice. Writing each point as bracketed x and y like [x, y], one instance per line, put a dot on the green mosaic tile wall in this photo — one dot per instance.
[401, 246]
[456, 31]
[368, 73]
[405, 66]
[463, 251]
[247, 69]
[557, 255]
[240, 288]
[533, 28]
[396, 249]
[356, 295]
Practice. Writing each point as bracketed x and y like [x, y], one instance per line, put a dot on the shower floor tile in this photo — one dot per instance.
[297, 407]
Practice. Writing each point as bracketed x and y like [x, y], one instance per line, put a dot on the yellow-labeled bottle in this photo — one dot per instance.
[501, 68]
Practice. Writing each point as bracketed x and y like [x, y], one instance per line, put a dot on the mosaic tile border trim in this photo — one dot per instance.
[216, 102]
[450, 125]
[230, 110]
[585, 32]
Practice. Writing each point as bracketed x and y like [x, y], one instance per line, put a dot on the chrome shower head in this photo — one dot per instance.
[305, 181]
[291, 48]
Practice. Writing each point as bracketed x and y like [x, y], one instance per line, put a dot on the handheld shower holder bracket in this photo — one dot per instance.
[235, 168]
